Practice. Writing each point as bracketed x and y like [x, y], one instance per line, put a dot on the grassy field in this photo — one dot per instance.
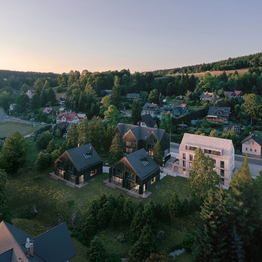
[215, 73]
[52, 197]
[8, 127]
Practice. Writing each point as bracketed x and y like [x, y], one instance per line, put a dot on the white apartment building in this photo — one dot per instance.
[220, 149]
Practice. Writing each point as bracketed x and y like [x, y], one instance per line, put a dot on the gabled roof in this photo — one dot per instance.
[181, 109]
[141, 132]
[228, 93]
[149, 120]
[63, 125]
[138, 161]
[132, 95]
[55, 245]
[208, 142]
[48, 110]
[150, 106]
[253, 137]
[219, 111]
[238, 92]
[78, 159]
[68, 116]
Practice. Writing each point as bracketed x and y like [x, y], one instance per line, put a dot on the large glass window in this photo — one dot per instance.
[190, 157]
[131, 176]
[222, 164]
[184, 163]
[184, 155]
[153, 180]
[222, 172]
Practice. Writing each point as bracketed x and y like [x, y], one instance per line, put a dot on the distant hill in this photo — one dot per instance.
[242, 62]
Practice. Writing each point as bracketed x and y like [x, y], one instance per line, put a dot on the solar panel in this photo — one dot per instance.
[144, 161]
[87, 155]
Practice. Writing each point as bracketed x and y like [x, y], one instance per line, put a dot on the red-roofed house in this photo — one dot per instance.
[238, 93]
[70, 118]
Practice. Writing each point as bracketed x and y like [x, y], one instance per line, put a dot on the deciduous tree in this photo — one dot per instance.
[158, 154]
[202, 176]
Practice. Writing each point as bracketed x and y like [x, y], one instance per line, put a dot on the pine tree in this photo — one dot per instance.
[149, 214]
[82, 130]
[108, 138]
[241, 203]
[169, 123]
[165, 215]
[96, 252]
[202, 176]
[99, 134]
[212, 236]
[116, 150]
[175, 206]
[144, 246]
[137, 223]
[120, 205]
[35, 101]
[4, 199]
[116, 93]
[136, 111]
[72, 137]
[115, 218]
[236, 249]
[128, 211]
[43, 98]
[158, 154]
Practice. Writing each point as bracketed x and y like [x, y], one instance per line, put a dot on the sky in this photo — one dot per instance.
[139, 35]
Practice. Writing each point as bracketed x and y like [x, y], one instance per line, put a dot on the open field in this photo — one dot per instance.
[8, 127]
[52, 197]
[215, 73]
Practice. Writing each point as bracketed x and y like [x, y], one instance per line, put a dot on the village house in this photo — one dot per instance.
[79, 164]
[219, 149]
[235, 93]
[207, 96]
[29, 94]
[218, 114]
[55, 245]
[71, 118]
[132, 96]
[147, 120]
[12, 107]
[251, 146]
[175, 111]
[151, 109]
[50, 111]
[136, 172]
[135, 137]
[62, 127]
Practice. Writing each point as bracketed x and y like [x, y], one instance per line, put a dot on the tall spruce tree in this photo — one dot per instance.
[116, 150]
[128, 211]
[158, 154]
[82, 130]
[144, 246]
[137, 223]
[96, 252]
[136, 111]
[211, 243]
[72, 138]
[202, 176]
[242, 205]
[175, 206]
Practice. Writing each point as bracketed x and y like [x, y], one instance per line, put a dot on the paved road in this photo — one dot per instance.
[5, 117]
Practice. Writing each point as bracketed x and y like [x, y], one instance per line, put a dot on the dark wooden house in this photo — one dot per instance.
[79, 164]
[135, 137]
[136, 171]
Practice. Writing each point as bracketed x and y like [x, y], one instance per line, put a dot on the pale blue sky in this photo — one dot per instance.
[60, 35]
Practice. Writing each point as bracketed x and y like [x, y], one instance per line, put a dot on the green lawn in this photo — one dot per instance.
[8, 127]
[52, 197]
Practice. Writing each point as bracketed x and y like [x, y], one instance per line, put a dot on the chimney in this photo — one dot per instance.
[32, 250]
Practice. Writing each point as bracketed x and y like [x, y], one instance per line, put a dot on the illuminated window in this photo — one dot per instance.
[153, 180]
[184, 171]
[93, 172]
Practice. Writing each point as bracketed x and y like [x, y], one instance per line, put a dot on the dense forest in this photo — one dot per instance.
[247, 61]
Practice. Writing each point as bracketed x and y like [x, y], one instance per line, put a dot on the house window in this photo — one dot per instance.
[222, 181]
[190, 164]
[93, 172]
[128, 144]
[184, 171]
[222, 172]
[131, 176]
[246, 148]
[153, 180]
[222, 164]
[190, 157]
[151, 152]
[184, 155]
[255, 150]
[249, 143]
[252, 143]
[186, 147]
[184, 163]
[250, 149]
[129, 150]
